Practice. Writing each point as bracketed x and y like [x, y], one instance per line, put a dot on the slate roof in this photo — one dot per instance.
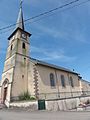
[16, 31]
[88, 82]
[52, 66]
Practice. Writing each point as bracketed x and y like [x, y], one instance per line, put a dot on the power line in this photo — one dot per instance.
[52, 10]
[42, 14]
[9, 29]
[47, 12]
[60, 11]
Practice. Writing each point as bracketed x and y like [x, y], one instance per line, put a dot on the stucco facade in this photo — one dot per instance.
[46, 90]
[85, 87]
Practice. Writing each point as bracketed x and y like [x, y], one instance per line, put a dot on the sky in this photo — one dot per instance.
[61, 38]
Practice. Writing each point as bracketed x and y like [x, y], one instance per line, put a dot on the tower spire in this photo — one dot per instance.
[20, 21]
[21, 4]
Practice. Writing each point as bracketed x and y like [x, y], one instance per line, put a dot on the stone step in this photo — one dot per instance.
[2, 106]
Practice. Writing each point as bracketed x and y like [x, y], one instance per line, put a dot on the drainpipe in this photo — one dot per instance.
[27, 65]
[57, 84]
[70, 85]
[12, 82]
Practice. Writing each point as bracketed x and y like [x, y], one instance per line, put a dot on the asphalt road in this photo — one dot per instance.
[42, 115]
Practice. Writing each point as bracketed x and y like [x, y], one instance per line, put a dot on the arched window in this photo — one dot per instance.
[71, 82]
[11, 47]
[52, 80]
[63, 81]
[23, 45]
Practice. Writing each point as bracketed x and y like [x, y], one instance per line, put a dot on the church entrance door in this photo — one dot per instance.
[5, 94]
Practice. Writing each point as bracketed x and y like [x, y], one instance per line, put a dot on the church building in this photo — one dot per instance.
[22, 73]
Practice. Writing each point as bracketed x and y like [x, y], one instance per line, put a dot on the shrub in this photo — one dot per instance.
[26, 96]
[32, 98]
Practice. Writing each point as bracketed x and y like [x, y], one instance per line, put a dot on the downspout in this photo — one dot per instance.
[57, 85]
[27, 72]
[12, 83]
[70, 85]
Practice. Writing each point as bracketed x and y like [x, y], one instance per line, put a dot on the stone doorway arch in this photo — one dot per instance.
[5, 88]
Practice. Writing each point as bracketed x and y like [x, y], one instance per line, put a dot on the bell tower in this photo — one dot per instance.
[15, 73]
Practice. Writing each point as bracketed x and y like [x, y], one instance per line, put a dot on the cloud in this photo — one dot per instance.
[40, 2]
[58, 56]
[46, 2]
[70, 25]
[51, 31]
[51, 55]
[67, 34]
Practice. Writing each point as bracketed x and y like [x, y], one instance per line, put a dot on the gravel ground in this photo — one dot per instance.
[14, 114]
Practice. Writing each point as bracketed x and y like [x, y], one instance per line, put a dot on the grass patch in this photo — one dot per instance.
[26, 96]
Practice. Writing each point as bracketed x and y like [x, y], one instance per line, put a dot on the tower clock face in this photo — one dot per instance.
[23, 35]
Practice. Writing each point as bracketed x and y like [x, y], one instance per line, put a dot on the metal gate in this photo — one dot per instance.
[41, 105]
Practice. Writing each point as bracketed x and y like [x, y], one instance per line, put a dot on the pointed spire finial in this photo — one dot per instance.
[20, 21]
[21, 1]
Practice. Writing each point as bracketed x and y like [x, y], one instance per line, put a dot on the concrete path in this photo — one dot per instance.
[42, 115]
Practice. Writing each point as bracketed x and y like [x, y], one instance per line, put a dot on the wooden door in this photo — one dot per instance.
[5, 94]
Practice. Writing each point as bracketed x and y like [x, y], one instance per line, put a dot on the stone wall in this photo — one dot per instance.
[54, 105]
[66, 104]
[30, 105]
